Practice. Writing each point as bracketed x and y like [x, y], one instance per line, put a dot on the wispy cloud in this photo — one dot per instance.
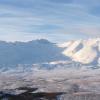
[30, 19]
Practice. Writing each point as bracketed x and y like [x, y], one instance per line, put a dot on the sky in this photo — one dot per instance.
[55, 20]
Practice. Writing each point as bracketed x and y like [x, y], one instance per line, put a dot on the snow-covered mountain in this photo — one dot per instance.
[83, 51]
[42, 51]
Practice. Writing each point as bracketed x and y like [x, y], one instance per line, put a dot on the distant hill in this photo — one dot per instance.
[35, 51]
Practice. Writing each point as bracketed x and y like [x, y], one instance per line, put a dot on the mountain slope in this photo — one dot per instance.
[41, 51]
[35, 51]
[83, 51]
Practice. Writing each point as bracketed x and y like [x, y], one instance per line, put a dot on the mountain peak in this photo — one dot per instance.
[44, 41]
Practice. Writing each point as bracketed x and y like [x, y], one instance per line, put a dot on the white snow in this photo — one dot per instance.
[72, 49]
[86, 55]
[84, 51]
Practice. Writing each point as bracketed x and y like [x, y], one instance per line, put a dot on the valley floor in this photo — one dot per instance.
[80, 83]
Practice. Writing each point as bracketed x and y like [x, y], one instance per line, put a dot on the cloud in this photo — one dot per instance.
[49, 19]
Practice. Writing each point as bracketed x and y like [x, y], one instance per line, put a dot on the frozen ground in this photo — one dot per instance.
[55, 80]
[77, 82]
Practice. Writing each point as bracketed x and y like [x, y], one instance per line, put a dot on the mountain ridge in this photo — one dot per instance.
[83, 51]
[35, 51]
[41, 51]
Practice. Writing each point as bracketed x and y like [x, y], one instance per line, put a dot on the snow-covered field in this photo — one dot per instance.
[59, 79]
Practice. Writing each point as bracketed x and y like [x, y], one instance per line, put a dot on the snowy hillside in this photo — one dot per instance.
[83, 51]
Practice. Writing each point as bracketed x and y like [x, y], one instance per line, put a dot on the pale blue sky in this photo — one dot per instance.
[56, 20]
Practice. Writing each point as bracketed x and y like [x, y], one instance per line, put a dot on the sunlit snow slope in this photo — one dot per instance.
[83, 51]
